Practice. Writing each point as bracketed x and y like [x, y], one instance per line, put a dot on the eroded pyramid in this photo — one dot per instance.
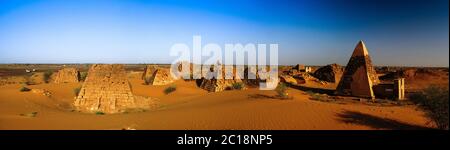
[106, 89]
[161, 77]
[66, 75]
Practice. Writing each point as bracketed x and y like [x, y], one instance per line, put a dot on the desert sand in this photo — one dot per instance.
[190, 107]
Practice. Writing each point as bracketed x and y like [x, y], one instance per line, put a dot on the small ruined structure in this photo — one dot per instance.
[330, 73]
[299, 67]
[399, 89]
[106, 89]
[66, 75]
[308, 69]
[394, 90]
[160, 77]
[302, 68]
[359, 75]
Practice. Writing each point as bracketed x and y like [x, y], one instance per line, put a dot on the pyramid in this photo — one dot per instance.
[66, 75]
[161, 77]
[359, 75]
[220, 84]
[148, 71]
[330, 73]
[106, 89]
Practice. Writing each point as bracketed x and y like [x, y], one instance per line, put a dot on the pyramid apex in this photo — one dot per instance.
[361, 42]
[360, 49]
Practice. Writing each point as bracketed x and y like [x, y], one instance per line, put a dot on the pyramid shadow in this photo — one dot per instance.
[354, 117]
[315, 90]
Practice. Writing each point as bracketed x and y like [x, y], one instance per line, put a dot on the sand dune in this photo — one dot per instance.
[190, 107]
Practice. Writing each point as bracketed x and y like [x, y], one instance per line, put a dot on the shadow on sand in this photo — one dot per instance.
[260, 96]
[376, 122]
[274, 97]
[314, 90]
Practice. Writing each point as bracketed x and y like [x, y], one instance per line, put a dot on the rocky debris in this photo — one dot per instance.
[251, 73]
[329, 73]
[299, 79]
[42, 92]
[12, 80]
[220, 84]
[36, 78]
[288, 79]
[217, 85]
[66, 75]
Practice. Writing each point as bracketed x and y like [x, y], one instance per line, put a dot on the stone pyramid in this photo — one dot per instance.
[148, 71]
[330, 73]
[66, 75]
[359, 75]
[106, 89]
[220, 84]
[161, 77]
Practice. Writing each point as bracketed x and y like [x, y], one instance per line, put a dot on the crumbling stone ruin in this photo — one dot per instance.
[329, 73]
[148, 72]
[106, 89]
[193, 71]
[302, 68]
[217, 85]
[160, 77]
[66, 75]
[153, 75]
[393, 90]
[299, 67]
[359, 75]
[220, 84]
[251, 73]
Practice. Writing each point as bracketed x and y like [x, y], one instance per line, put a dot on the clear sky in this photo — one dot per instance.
[315, 32]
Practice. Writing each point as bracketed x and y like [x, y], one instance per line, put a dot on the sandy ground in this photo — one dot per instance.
[190, 107]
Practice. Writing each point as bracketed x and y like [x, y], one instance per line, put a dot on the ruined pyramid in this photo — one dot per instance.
[66, 75]
[106, 89]
[221, 83]
[161, 77]
[148, 71]
[359, 75]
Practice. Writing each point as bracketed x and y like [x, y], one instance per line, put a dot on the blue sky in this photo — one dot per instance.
[316, 32]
